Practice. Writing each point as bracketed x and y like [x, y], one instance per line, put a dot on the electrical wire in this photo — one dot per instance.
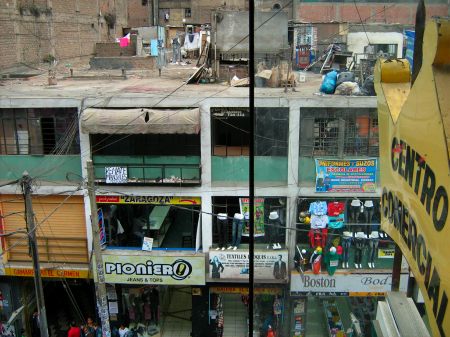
[360, 19]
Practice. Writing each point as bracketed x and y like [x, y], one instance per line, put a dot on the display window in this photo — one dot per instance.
[341, 233]
[231, 222]
[229, 311]
[149, 311]
[333, 316]
[166, 225]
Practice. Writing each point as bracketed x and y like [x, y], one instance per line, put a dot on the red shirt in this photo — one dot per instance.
[335, 208]
[74, 331]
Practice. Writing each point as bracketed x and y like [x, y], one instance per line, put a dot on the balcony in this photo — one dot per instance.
[149, 170]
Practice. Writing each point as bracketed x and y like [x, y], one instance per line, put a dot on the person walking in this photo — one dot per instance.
[74, 330]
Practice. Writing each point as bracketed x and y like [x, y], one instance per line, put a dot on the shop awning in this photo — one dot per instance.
[143, 121]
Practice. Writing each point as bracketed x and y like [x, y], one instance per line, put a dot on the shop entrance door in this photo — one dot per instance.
[177, 314]
[234, 316]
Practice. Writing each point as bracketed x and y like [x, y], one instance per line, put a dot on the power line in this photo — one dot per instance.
[360, 19]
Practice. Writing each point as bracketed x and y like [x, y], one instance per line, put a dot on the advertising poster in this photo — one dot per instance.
[269, 265]
[355, 175]
[259, 216]
[101, 227]
[150, 269]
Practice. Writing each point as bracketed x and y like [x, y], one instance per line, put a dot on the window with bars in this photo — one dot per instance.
[39, 131]
[338, 132]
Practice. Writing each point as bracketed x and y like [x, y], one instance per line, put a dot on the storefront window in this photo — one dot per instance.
[341, 233]
[229, 310]
[170, 226]
[231, 221]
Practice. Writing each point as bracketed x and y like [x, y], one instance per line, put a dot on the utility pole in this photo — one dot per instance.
[31, 228]
[100, 286]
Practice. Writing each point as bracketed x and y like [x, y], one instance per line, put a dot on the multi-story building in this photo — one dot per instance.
[166, 172]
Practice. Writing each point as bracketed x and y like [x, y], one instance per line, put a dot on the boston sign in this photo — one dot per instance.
[343, 283]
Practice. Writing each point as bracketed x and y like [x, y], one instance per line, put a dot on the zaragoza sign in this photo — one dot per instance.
[415, 167]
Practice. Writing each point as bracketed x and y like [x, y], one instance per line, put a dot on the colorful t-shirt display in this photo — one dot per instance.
[335, 208]
[318, 208]
[336, 221]
[319, 221]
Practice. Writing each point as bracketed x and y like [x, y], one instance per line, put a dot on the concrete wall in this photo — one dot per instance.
[111, 49]
[64, 29]
[404, 13]
[123, 62]
[233, 28]
[357, 41]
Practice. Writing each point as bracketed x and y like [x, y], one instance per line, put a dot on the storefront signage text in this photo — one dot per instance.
[50, 273]
[344, 283]
[145, 269]
[155, 200]
[346, 175]
[410, 165]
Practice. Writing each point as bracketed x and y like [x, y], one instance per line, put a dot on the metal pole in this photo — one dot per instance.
[31, 227]
[102, 301]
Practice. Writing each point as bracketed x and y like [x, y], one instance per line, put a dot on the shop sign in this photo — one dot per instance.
[259, 215]
[415, 173]
[269, 265]
[344, 283]
[225, 113]
[116, 175]
[154, 269]
[146, 199]
[386, 253]
[47, 273]
[244, 290]
[355, 175]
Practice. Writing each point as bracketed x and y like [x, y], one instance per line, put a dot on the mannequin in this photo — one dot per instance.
[273, 230]
[316, 260]
[222, 230]
[356, 208]
[368, 214]
[154, 304]
[373, 248]
[360, 242]
[332, 260]
[346, 243]
[238, 224]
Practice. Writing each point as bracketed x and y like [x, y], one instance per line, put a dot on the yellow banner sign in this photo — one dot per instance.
[147, 199]
[244, 290]
[414, 154]
[153, 269]
[48, 273]
[386, 253]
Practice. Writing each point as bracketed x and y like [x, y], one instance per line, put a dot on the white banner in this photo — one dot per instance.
[269, 265]
[344, 283]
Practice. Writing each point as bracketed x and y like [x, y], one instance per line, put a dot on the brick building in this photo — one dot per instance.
[45, 29]
[140, 13]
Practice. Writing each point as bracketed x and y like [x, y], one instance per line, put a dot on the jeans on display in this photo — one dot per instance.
[222, 231]
[359, 246]
[237, 232]
[346, 243]
[373, 248]
[271, 231]
[368, 213]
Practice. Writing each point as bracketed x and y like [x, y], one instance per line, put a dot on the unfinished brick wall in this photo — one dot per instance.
[402, 13]
[140, 13]
[64, 29]
[112, 49]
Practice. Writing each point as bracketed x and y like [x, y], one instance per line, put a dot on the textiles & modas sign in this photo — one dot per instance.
[269, 265]
[355, 175]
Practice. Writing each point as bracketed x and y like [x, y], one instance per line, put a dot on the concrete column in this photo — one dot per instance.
[207, 230]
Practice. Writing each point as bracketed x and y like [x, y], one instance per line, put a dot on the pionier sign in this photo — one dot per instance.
[415, 167]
